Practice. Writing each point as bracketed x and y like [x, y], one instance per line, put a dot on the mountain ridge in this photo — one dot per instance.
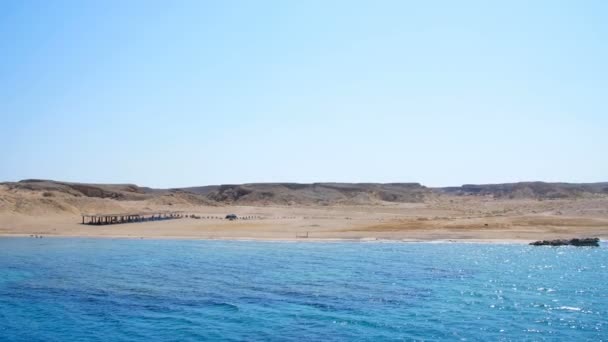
[320, 193]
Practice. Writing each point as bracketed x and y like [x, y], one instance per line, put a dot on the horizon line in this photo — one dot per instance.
[303, 183]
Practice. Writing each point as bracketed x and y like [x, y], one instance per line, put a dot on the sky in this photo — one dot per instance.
[184, 93]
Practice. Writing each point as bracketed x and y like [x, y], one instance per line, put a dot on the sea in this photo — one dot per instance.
[73, 289]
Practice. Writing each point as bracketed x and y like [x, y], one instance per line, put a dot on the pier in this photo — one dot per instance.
[104, 219]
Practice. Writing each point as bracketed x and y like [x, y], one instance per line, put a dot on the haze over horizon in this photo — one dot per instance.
[198, 93]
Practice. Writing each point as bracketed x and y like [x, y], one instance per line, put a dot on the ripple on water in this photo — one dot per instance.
[126, 290]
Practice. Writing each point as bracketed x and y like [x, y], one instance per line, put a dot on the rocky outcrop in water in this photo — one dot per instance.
[592, 242]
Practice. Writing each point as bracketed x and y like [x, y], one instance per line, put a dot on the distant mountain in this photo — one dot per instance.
[538, 190]
[114, 191]
[319, 193]
[313, 194]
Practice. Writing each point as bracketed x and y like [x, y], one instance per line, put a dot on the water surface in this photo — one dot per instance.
[166, 290]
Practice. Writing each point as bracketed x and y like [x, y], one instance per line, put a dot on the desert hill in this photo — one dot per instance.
[530, 190]
[319, 193]
[114, 191]
[520, 211]
[72, 196]
[34, 197]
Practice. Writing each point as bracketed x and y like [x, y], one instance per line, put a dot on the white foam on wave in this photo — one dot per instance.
[570, 308]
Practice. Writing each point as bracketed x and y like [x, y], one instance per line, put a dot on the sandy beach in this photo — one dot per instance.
[445, 218]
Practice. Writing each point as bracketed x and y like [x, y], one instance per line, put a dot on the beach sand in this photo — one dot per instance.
[465, 219]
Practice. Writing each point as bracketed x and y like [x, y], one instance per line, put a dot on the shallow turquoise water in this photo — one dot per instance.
[144, 290]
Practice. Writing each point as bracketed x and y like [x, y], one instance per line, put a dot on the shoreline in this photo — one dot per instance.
[428, 223]
[282, 240]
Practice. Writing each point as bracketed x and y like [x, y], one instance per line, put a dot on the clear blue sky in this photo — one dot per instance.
[178, 93]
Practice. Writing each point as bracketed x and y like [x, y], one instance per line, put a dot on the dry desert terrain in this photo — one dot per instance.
[520, 212]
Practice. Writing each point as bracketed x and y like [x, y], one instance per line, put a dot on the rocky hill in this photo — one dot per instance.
[319, 193]
[535, 190]
[28, 195]
[112, 191]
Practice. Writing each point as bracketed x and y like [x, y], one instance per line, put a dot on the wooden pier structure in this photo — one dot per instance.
[104, 219]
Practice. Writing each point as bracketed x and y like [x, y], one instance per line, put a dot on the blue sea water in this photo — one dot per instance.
[56, 289]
